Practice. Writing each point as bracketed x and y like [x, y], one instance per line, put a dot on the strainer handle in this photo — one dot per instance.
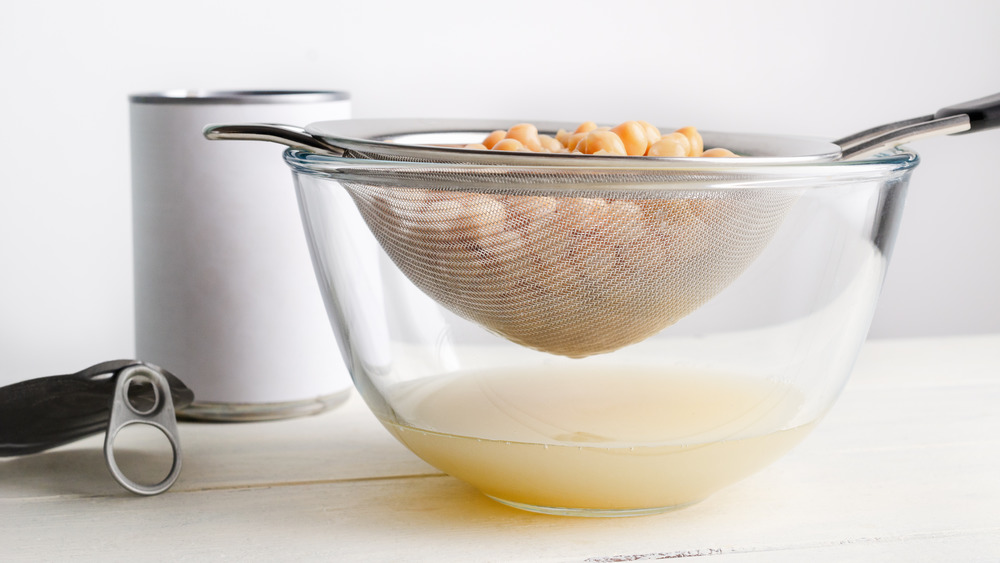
[974, 115]
[984, 113]
[288, 135]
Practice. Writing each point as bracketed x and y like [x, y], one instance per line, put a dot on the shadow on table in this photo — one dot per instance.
[80, 471]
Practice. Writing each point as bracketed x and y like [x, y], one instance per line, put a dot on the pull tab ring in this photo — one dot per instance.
[160, 416]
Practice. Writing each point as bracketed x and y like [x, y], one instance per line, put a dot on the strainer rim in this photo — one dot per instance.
[400, 139]
[683, 172]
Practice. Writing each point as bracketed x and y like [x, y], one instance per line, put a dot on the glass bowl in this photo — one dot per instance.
[649, 427]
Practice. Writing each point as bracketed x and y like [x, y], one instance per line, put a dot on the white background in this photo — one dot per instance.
[821, 69]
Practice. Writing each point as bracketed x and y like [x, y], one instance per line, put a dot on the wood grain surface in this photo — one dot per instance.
[904, 468]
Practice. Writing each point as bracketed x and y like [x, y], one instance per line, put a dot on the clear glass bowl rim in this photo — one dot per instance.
[665, 174]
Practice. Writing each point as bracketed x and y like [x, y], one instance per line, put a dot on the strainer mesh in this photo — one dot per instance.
[574, 274]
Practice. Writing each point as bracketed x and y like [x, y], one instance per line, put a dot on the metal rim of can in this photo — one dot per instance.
[200, 97]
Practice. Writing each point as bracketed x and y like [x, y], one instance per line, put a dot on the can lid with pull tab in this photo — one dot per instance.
[40, 414]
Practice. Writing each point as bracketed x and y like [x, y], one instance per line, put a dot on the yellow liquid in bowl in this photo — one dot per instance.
[597, 439]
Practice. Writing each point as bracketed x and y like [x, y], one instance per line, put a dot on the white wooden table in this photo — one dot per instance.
[905, 468]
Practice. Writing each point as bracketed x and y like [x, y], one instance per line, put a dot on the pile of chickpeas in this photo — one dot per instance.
[631, 138]
[573, 275]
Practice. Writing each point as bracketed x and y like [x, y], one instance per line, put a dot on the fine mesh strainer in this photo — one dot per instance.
[570, 254]
[572, 274]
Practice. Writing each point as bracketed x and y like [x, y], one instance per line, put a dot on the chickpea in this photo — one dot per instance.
[527, 134]
[674, 144]
[697, 145]
[574, 140]
[494, 138]
[476, 146]
[563, 137]
[652, 132]
[633, 136]
[586, 127]
[719, 152]
[509, 145]
[585, 214]
[506, 257]
[462, 217]
[550, 144]
[598, 140]
[530, 213]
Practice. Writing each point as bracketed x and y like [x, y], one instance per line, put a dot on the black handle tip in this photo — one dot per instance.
[984, 113]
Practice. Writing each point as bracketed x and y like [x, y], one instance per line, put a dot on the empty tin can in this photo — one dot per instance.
[225, 294]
